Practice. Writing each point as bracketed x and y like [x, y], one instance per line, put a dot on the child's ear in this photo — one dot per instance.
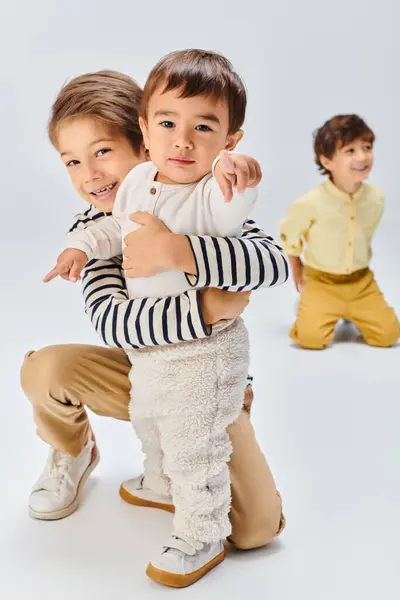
[145, 132]
[326, 163]
[233, 140]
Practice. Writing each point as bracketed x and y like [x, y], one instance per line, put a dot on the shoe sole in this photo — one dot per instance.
[68, 510]
[176, 580]
[136, 501]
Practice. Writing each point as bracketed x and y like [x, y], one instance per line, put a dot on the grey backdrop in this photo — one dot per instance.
[328, 422]
[301, 61]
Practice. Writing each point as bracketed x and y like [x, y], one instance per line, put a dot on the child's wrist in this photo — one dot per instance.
[179, 254]
[216, 161]
[296, 260]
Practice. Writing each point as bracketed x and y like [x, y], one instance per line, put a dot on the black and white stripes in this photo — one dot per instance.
[235, 265]
[248, 263]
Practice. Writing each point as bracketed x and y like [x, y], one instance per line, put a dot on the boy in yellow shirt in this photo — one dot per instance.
[335, 222]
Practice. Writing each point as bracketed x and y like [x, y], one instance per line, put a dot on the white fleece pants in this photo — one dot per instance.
[184, 397]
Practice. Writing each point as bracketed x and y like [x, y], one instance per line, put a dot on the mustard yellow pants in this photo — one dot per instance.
[327, 298]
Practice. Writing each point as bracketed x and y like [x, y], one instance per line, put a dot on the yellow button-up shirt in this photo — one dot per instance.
[334, 228]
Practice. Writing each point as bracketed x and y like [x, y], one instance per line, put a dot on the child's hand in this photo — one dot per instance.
[147, 249]
[297, 271]
[217, 305]
[69, 265]
[236, 171]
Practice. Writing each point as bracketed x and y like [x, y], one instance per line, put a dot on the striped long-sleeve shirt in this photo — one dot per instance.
[231, 264]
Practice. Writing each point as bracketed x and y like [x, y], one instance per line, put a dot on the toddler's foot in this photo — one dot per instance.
[183, 561]
[134, 491]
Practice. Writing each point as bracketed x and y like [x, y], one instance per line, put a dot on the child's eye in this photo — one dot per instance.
[103, 151]
[203, 128]
[349, 150]
[368, 147]
[167, 124]
[72, 163]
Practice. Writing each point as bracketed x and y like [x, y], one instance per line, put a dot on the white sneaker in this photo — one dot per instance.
[183, 561]
[56, 494]
[135, 492]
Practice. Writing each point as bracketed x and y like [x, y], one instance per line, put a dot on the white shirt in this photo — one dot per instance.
[193, 209]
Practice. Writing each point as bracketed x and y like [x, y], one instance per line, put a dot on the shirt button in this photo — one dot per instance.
[350, 244]
[153, 191]
[352, 218]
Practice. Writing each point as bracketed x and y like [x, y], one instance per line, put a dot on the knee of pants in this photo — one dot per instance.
[46, 370]
[386, 337]
[255, 531]
[310, 337]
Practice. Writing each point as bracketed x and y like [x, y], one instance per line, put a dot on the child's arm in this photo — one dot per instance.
[235, 264]
[293, 231]
[232, 192]
[69, 266]
[136, 323]
[297, 267]
[379, 202]
[238, 264]
[124, 323]
[102, 241]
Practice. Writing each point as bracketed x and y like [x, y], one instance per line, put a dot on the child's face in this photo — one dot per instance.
[185, 135]
[351, 164]
[97, 159]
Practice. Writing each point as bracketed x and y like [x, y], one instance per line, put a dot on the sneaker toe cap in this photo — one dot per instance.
[173, 562]
[45, 502]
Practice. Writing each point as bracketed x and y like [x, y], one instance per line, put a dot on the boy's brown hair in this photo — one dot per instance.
[110, 96]
[199, 73]
[339, 131]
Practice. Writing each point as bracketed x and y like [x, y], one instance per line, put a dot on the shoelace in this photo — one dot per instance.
[57, 473]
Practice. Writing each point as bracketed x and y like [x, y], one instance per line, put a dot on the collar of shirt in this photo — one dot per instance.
[334, 191]
[165, 187]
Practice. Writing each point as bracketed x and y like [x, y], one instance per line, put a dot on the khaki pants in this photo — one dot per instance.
[326, 298]
[61, 380]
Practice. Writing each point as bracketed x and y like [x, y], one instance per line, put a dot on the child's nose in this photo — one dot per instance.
[183, 140]
[361, 155]
[91, 173]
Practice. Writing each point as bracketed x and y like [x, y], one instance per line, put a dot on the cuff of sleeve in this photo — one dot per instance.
[83, 247]
[206, 329]
[200, 277]
[216, 161]
[292, 249]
